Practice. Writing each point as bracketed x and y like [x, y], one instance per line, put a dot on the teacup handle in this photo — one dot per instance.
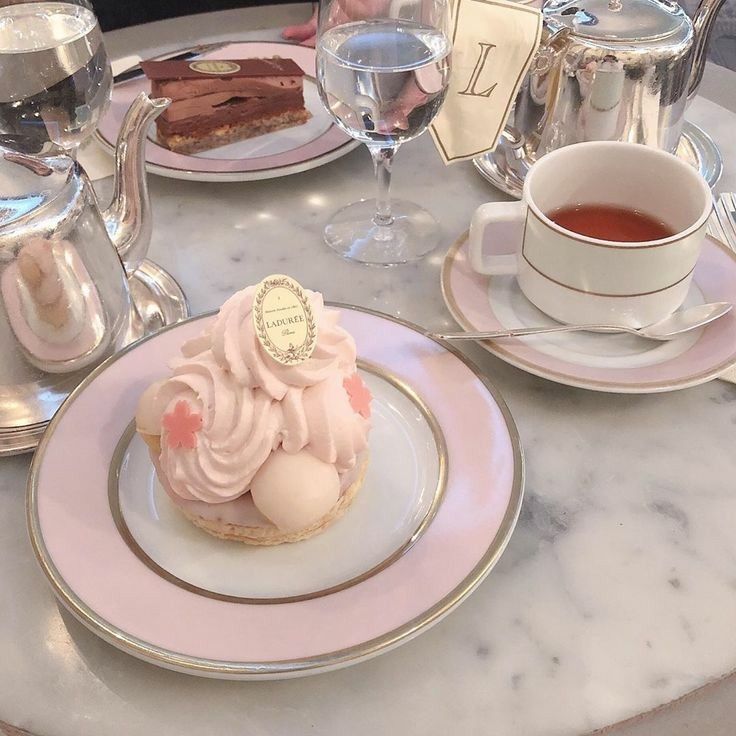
[496, 220]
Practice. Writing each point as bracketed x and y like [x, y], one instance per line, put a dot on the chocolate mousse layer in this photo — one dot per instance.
[219, 101]
[230, 110]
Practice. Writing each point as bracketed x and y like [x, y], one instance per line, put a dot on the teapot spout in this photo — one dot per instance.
[703, 21]
[128, 217]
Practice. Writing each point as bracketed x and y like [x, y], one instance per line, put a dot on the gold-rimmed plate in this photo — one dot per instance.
[279, 153]
[406, 481]
[440, 500]
[595, 361]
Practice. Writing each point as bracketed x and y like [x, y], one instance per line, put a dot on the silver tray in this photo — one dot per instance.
[158, 300]
[696, 147]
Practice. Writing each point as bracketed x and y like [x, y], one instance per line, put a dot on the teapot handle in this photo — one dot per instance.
[703, 21]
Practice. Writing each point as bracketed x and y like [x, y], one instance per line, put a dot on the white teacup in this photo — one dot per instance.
[579, 279]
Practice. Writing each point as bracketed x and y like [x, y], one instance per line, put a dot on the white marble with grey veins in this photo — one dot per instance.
[617, 592]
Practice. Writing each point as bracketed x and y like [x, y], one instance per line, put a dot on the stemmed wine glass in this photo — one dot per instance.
[382, 71]
[56, 78]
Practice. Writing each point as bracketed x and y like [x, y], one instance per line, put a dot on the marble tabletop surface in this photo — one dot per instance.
[616, 594]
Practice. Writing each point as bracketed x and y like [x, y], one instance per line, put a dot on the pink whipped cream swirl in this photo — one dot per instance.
[236, 347]
[250, 404]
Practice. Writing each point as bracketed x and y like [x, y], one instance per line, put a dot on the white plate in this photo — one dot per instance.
[283, 152]
[613, 363]
[435, 512]
[405, 480]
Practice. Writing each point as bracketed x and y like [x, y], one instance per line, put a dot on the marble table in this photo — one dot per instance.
[616, 594]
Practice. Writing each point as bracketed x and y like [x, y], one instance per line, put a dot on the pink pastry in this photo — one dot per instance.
[254, 450]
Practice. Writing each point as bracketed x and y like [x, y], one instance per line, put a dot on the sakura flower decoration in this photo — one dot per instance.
[359, 395]
[182, 426]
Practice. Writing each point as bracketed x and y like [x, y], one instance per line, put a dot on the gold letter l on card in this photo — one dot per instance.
[485, 49]
[493, 44]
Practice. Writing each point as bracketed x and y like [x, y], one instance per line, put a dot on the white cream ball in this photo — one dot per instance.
[295, 491]
[148, 415]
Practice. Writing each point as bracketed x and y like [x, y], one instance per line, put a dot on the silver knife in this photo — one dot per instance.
[179, 55]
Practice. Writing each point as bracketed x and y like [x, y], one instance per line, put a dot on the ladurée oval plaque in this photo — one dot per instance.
[215, 67]
[283, 320]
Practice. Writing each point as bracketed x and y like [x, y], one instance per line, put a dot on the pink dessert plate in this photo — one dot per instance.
[288, 151]
[438, 506]
[599, 362]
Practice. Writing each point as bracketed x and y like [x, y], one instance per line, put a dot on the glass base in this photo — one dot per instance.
[353, 233]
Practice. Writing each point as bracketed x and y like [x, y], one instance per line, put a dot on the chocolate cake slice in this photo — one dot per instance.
[215, 102]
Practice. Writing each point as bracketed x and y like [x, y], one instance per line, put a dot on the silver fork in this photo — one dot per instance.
[722, 226]
[722, 223]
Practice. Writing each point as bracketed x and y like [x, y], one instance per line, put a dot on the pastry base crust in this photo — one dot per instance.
[260, 535]
[232, 132]
[263, 536]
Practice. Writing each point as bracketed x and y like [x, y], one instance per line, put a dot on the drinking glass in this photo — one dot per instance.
[382, 71]
[55, 80]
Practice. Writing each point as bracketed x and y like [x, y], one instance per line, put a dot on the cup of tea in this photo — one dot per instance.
[606, 233]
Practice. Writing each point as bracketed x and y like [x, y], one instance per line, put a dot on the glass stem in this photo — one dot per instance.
[383, 158]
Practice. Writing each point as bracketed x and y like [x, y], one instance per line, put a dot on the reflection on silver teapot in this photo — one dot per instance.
[611, 70]
[65, 301]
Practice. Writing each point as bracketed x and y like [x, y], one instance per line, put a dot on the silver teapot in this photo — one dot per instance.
[610, 70]
[65, 301]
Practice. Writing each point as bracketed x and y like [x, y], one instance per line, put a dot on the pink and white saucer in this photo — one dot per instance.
[599, 362]
[282, 152]
[438, 506]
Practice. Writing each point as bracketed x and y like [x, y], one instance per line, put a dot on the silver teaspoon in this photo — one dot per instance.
[666, 329]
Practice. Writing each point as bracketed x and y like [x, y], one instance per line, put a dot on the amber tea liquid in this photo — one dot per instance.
[607, 222]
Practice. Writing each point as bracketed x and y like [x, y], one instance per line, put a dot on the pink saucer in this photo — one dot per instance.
[136, 586]
[612, 363]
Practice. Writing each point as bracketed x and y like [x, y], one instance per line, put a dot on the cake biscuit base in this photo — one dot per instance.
[232, 132]
[264, 536]
[261, 535]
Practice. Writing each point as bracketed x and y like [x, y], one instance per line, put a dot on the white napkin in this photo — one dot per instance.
[493, 45]
[94, 159]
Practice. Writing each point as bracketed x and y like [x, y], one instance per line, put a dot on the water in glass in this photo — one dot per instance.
[383, 67]
[55, 79]
[383, 80]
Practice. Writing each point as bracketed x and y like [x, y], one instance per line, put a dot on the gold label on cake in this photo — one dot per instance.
[215, 67]
[283, 320]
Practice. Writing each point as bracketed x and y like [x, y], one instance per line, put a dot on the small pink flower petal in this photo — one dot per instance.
[359, 395]
[182, 426]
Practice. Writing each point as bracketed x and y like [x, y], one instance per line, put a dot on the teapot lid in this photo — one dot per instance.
[617, 20]
[29, 182]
